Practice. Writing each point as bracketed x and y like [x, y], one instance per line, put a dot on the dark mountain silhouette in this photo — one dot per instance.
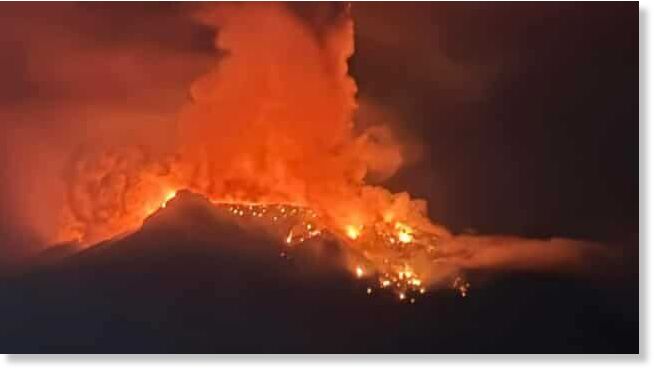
[192, 280]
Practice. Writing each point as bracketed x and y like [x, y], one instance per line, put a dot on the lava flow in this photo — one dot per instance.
[384, 249]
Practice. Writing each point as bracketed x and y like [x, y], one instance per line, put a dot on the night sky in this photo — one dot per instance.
[522, 119]
[527, 112]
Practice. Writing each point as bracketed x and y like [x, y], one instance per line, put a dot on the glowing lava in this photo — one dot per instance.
[169, 196]
[388, 257]
[352, 232]
[404, 232]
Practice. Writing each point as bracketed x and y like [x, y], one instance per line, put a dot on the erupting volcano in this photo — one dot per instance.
[269, 133]
[318, 177]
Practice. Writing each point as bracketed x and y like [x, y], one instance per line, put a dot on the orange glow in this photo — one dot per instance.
[268, 133]
[352, 232]
[169, 196]
[404, 233]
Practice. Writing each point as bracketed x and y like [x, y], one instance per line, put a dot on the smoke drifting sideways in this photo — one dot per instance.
[272, 122]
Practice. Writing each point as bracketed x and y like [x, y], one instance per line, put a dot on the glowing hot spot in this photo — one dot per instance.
[404, 232]
[352, 232]
[169, 196]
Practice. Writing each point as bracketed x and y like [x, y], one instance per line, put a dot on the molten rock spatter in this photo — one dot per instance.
[386, 250]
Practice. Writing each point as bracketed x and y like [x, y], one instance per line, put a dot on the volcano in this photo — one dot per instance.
[194, 279]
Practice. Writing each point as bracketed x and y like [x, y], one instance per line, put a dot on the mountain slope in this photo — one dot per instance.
[193, 280]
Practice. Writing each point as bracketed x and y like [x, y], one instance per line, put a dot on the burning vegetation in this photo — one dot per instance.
[269, 134]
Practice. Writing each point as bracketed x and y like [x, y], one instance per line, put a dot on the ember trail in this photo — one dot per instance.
[370, 246]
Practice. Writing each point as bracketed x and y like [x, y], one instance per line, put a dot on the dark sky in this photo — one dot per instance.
[528, 112]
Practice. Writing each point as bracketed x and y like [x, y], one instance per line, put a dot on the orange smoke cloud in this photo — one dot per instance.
[111, 192]
[273, 126]
[274, 118]
[75, 83]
